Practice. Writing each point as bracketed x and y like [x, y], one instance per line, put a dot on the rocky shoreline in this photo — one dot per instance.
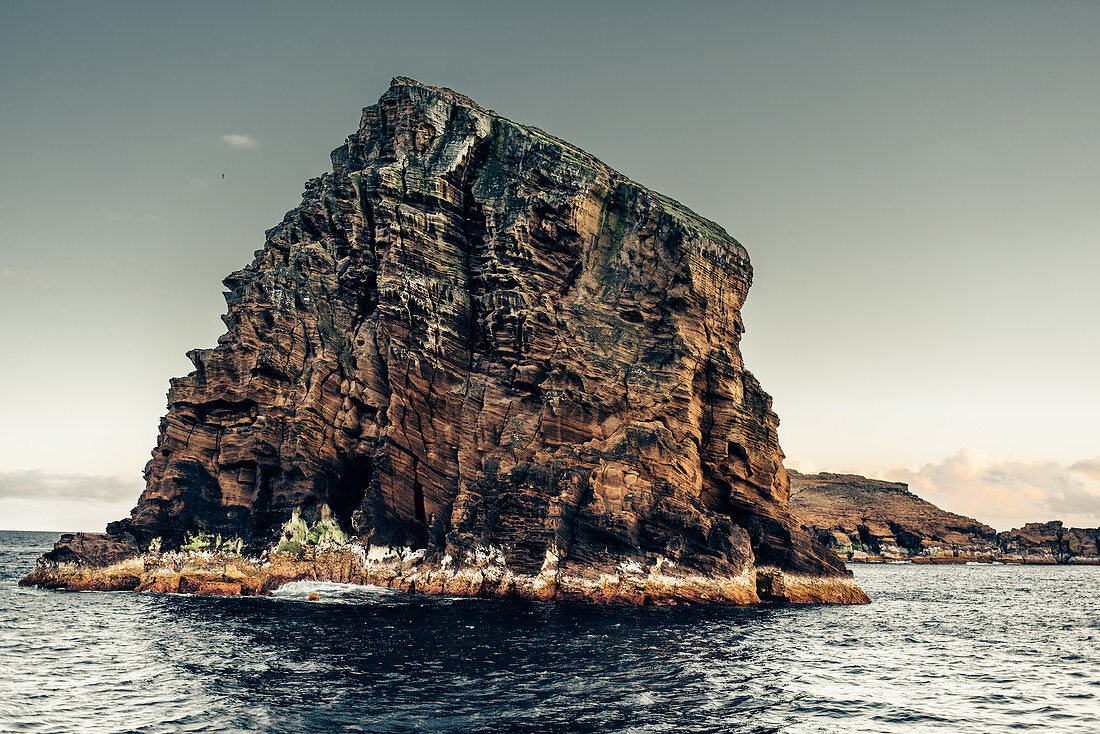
[872, 521]
[483, 572]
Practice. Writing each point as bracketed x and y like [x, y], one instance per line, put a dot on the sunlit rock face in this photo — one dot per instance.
[475, 339]
[872, 519]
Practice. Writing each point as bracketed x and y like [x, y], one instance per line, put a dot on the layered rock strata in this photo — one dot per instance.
[871, 520]
[860, 518]
[1050, 542]
[482, 347]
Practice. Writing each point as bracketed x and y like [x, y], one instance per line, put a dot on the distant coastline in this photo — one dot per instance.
[872, 521]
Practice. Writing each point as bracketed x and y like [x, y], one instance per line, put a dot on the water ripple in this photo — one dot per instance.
[971, 648]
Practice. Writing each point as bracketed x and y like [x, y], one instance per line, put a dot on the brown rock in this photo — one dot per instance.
[122, 582]
[868, 519]
[862, 517]
[251, 586]
[92, 549]
[475, 340]
[205, 583]
[161, 584]
[219, 588]
[190, 583]
[1051, 542]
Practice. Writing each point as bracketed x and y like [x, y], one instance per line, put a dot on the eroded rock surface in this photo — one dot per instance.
[1052, 542]
[860, 517]
[477, 341]
[871, 520]
[92, 549]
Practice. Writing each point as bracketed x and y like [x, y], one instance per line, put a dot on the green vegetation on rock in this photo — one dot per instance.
[207, 542]
[297, 535]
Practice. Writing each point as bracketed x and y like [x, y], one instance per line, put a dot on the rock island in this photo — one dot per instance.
[474, 360]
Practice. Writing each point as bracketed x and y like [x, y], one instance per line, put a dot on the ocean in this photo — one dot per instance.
[941, 648]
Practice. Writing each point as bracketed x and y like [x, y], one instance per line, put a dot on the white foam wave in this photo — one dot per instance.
[329, 591]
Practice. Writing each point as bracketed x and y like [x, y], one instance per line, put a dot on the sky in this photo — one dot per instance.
[916, 184]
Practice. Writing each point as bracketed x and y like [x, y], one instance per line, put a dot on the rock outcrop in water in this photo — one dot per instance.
[871, 520]
[503, 367]
[1051, 542]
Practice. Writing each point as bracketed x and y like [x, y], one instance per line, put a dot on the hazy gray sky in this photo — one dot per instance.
[916, 183]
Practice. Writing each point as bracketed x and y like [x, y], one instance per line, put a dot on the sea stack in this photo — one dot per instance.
[490, 365]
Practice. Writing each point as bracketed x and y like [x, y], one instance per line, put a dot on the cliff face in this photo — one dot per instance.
[474, 340]
[857, 515]
[869, 519]
[1051, 542]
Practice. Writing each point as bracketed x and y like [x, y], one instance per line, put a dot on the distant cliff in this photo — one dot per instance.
[499, 366]
[868, 519]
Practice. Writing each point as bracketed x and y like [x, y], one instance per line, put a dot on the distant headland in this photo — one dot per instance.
[870, 520]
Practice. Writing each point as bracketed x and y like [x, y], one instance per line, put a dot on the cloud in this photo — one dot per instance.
[125, 218]
[1007, 493]
[245, 142]
[1088, 467]
[36, 484]
[41, 500]
[14, 276]
[802, 466]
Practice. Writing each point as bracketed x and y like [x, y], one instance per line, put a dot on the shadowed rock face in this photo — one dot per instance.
[1053, 541]
[92, 549]
[472, 335]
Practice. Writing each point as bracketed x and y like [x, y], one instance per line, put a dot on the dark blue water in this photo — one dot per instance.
[959, 649]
